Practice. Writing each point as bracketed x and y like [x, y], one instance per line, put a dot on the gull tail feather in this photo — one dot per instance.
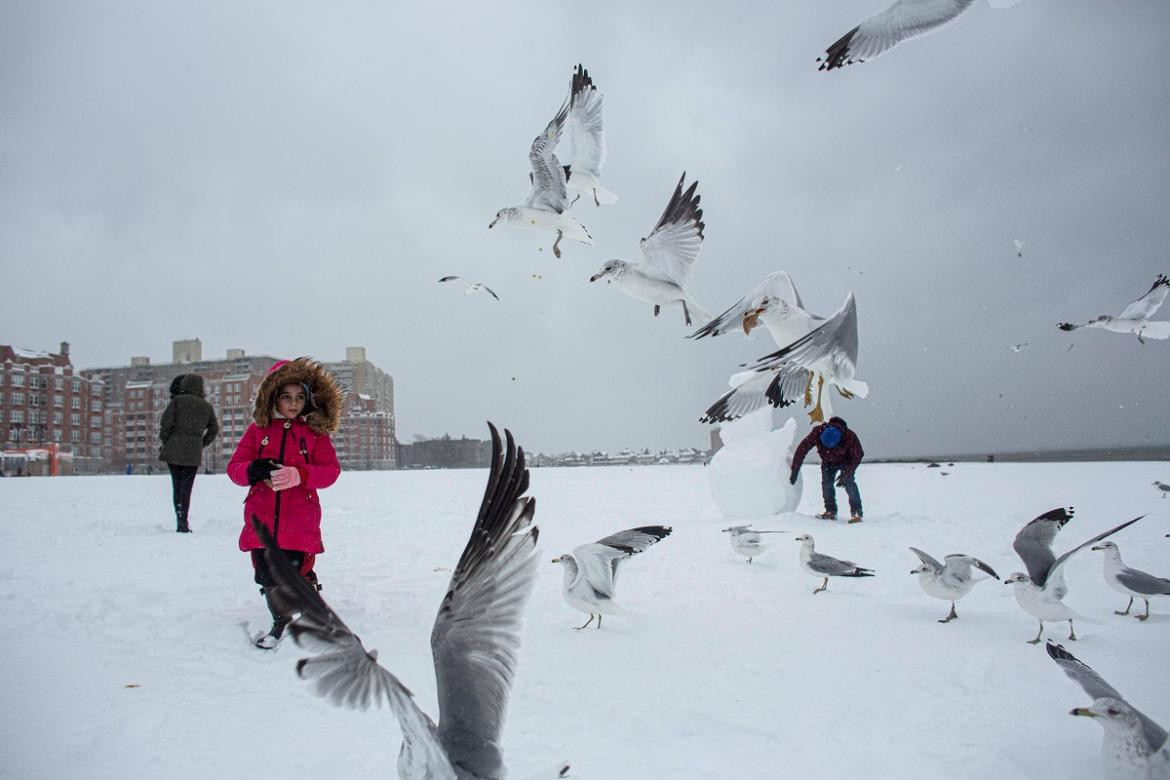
[574, 229]
[856, 387]
[1156, 330]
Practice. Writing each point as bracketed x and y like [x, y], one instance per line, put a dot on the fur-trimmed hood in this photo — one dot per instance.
[324, 415]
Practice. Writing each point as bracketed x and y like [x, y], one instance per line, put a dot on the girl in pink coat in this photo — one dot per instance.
[284, 458]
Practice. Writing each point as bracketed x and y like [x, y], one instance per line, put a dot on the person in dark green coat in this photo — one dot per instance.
[188, 425]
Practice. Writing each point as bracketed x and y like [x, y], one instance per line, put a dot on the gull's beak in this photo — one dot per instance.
[1007, 582]
[595, 277]
[914, 571]
[1096, 547]
[751, 320]
[1083, 711]
[494, 221]
[556, 559]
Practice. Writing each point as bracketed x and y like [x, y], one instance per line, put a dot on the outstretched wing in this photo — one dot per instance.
[586, 129]
[778, 285]
[476, 636]
[1034, 543]
[345, 672]
[962, 565]
[832, 345]
[1144, 307]
[599, 560]
[548, 177]
[883, 31]
[780, 388]
[673, 246]
[1096, 687]
[1055, 575]
[928, 560]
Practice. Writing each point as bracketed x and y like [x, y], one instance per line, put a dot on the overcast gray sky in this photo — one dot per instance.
[293, 178]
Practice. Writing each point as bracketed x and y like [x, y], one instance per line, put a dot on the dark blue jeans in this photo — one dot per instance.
[829, 491]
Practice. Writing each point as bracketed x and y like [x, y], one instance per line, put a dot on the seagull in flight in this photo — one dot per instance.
[827, 354]
[1019, 247]
[1136, 317]
[826, 566]
[669, 254]
[901, 21]
[474, 641]
[1041, 591]
[746, 540]
[591, 571]
[471, 287]
[1134, 746]
[1019, 347]
[545, 207]
[1131, 582]
[950, 581]
[586, 136]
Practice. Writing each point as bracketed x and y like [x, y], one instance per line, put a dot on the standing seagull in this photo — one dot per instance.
[474, 641]
[746, 541]
[826, 566]
[587, 139]
[545, 207]
[883, 31]
[1041, 591]
[1131, 582]
[670, 252]
[1136, 317]
[591, 571]
[1134, 746]
[949, 582]
[1163, 487]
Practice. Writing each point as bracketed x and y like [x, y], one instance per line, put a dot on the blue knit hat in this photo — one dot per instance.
[830, 436]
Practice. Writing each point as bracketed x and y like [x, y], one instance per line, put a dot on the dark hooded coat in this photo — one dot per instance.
[188, 424]
[292, 516]
[847, 454]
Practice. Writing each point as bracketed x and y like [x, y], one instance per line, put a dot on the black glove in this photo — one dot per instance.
[261, 469]
[842, 478]
[792, 477]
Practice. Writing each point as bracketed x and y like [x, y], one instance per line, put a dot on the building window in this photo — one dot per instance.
[96, 405]
[75, 402]
[57, 417]
[57, 435]
[58, 401]
[16, 416]
[76, 385]
[75, 436]
[18, 399]
[75, 419]
[18, 380]
[58, 383]
[95, 438]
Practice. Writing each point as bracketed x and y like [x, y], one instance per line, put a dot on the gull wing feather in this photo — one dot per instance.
[830, 566]
[548, 176]
[599, 560]
[1034, 543]
[777, 284]
[1096, 687]
[883, 31]
[1142, 582]
[928, 560]
[834, 341]
[779, 388]
[585, 126]
[1144, 307]
[1055, 580]
[673, 246]
[346, 673]
[963, 563]
[476, 637]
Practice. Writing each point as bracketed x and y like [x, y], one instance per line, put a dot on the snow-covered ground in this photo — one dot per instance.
[124, 655]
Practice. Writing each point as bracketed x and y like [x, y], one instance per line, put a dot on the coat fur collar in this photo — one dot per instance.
[325, 417]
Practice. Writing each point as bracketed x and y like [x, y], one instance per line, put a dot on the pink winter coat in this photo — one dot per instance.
[292, 443]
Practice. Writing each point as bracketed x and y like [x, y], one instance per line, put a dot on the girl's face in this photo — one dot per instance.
[290, 401]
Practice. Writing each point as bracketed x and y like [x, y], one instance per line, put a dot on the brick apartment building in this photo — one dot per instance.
[137, 394]
[46, 407]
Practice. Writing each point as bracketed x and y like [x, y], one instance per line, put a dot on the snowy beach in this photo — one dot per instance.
[126, 656]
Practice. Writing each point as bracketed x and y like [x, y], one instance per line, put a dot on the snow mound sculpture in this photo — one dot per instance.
[749, 475]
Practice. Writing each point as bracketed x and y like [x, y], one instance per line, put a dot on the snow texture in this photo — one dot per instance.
[124, 656]
[749, 474]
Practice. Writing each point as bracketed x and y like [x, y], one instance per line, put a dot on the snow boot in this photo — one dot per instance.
[182, 527]
[281, 617]
[855, 519]
[827, 515]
